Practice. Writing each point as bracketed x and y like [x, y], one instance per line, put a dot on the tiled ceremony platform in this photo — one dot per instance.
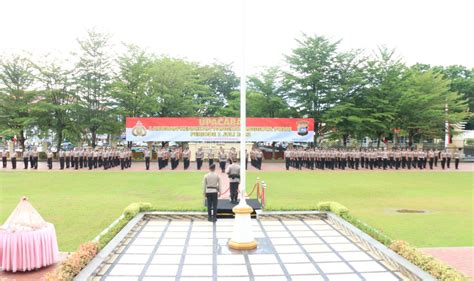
[300, 246]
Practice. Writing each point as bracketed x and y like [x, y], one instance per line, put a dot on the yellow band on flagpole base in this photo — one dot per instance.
[245, 209]
[243, 246]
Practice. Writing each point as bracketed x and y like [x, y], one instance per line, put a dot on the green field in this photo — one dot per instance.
[82, 204]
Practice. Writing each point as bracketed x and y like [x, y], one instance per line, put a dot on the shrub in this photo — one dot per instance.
[334, 207]
[105, 239]
[135, 208]
[74, 263]
[426, 262]
[371, 231]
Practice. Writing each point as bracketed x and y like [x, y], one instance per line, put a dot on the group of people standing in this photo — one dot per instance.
[28, 157]
[76, 159]
[213, 189]
[313, 158]
[174, 155]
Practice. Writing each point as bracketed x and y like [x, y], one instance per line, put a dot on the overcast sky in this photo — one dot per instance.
[427, 31]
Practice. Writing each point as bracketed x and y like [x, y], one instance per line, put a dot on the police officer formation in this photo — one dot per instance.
[370, 159]
[78, 158]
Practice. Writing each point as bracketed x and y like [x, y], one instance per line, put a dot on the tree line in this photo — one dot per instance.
[350, 94]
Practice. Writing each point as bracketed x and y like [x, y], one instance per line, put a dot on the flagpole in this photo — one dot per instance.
[242, 236]
[243, 113]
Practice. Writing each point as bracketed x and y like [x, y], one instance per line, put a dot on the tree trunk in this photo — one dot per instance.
[344, 140]
[22, 140]
[59, 135]
[316, 129]
[94, 136]
[410, 138]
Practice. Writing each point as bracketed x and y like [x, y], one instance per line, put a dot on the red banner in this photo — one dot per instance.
[219, 129]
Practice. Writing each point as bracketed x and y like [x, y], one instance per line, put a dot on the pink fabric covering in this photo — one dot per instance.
[28, 250]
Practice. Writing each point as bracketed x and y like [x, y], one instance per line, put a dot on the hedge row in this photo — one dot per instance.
[426, 262]
[74, 263]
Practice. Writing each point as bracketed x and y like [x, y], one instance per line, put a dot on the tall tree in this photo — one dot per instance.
[93, 81]
[266, 98]
[385, 82]
[131, 87]
[56, 101]
[421, 107]
[16, 97]
[348, 116]
[462, 82]
[313, 77]
[222, 82]
[177, 88]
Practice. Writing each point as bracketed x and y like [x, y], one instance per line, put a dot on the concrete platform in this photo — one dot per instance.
[290, 247]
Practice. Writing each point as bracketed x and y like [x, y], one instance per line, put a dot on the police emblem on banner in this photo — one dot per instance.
[302, 128]
[139, 130]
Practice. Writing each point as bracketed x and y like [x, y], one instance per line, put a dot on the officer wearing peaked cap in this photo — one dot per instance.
[211, 190]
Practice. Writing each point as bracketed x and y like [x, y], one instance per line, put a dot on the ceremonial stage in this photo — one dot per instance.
[224, 207]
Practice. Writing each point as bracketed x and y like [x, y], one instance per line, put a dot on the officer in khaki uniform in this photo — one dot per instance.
[186, 157]
[161, 156]
[431, 155]
[233, 171]
[26, 156]
[174, 158]
[146, 153]
[287, 155]
[49, 160]
[222, 159]
[457, 157]
[13, 159]
[199, 158]
[67, 155]
[448, 159]
[211, 190]
[35, 158]
[122, 159]
[61, 159]
[443, 159]
[210, 157]
[90, 158]
[95, 158]
[3, 154]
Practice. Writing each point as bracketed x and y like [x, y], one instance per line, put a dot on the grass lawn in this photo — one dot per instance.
[82, 204]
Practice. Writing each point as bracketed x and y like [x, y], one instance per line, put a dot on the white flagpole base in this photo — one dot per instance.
[242, 236]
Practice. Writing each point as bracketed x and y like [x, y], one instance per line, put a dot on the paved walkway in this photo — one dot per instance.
[461, 258]
[289, 249]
